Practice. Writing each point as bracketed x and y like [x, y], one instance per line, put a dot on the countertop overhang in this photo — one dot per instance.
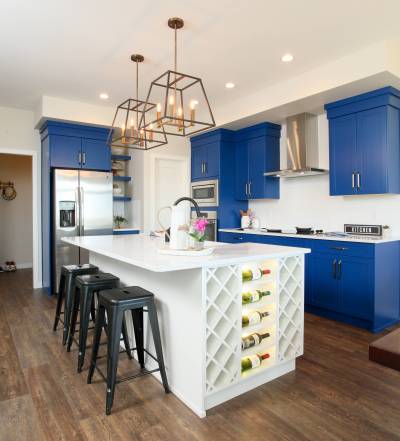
[141, 250]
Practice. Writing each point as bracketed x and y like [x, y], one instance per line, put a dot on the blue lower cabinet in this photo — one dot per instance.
[324, 291]
[353, 282]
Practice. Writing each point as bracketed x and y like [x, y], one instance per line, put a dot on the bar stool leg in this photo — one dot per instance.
[157, 344]
[60, 301]
[137, 319]
[126, 339]
[100, 322]
[67, 306]
[114, 328]
[86, 301]
[74, 317]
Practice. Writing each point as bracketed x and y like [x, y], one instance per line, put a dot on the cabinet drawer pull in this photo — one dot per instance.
[334, 269]
[339, 248]
[238, 238]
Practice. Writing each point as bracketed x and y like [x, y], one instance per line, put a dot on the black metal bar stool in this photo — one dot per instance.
[84, 302]
[65, 293]
[115, 302]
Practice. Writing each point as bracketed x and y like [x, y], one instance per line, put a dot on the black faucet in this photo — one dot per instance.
[185, 198]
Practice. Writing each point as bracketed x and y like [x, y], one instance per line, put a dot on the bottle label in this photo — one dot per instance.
[255, 361]
[254, 318]
[255, 296]
[257, 274]
[251, 340]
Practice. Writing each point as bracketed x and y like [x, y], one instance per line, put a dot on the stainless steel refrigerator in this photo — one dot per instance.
[82, 206]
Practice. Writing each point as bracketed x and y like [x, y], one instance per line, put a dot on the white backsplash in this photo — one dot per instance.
[305, 201]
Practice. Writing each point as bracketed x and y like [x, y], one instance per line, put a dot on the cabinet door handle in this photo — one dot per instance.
[250, 188]
[353, 180]
[84, 158]
[246, 189]
[358, 180]
[339, 248]
[205, 167]
[334, 269]
[339, 276]
[79, 158]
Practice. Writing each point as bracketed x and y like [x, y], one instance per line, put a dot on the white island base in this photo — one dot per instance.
[199, 306]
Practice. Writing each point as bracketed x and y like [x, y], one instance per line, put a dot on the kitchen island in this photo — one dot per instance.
[199, 305]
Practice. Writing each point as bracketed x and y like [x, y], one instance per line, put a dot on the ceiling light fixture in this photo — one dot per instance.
[125, 131]
[287, 58]
[103, 96]
[183, 108]
[229, 85]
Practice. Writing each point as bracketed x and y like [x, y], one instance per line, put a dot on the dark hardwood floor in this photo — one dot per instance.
[335, 393]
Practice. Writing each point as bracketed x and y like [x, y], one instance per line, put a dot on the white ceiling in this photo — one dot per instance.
[78, 48]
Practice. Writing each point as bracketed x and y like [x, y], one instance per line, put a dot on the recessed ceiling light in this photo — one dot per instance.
[229, 85]
[287, 58]
[103, 96]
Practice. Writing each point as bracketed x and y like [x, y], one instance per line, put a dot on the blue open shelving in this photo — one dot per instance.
[121, 157]
[122, 198]
[122, 178]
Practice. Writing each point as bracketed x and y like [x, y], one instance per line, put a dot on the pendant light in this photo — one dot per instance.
[125, 131]
[182, 105]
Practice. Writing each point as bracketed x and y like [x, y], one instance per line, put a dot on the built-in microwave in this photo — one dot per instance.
[205, 193]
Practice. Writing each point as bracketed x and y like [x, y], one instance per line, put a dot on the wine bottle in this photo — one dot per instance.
[255, 296]
[254, 274]
[253, 361]
[253, 340]
[253, 318]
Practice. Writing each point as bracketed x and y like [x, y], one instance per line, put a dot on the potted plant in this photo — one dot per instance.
[196, 232]
[119, 220]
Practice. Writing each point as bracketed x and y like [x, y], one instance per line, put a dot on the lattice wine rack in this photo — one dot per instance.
[223, 311]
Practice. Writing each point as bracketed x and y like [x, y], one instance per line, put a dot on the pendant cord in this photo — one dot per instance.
[175, 65]
[137, 95]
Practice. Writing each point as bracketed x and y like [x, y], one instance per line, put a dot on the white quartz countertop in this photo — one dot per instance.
[141, 250]
[349, 238]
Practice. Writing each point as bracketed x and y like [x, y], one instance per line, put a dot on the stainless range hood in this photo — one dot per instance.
[302, 148]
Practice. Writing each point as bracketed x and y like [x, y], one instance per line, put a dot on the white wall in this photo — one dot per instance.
[16, 215]
[305, 201]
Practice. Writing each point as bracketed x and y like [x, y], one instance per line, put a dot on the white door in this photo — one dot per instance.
[171, 181]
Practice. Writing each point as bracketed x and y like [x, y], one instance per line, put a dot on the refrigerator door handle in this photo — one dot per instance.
[82, 211]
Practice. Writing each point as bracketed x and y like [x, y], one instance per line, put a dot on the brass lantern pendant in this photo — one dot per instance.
[182, 107]
[126, 131]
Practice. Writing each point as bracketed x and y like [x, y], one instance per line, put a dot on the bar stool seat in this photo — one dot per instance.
[86, 287]
[116, 302]
[65, 293]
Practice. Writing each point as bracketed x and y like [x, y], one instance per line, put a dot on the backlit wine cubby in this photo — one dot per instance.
[224, 309]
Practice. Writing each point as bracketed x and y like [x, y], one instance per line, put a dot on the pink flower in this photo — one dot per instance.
[200, 225]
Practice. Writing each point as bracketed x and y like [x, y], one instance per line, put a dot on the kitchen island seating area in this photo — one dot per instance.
[82, 289]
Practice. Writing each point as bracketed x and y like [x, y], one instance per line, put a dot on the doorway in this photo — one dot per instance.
[19, 216]
[169, 181]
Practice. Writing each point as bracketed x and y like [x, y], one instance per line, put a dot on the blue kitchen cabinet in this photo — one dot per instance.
[364, 143]
[356, 281]
[96, 155]
[324, 290]
[76, 147]
[257, 152]
[352, 282]
[205, 159]
[65, 151]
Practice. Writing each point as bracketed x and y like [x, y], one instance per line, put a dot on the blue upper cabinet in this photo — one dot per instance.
[257, 151]
[65, 151]
[95, 155]
[75, 146]
[364, 147]
[206, 156]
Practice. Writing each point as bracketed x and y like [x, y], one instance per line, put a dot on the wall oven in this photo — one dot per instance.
[205, 193]
[211, 228]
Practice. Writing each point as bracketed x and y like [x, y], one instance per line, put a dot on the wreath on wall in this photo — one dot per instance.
[8, 191]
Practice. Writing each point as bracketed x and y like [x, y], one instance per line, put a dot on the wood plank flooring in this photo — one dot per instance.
[336, 393]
